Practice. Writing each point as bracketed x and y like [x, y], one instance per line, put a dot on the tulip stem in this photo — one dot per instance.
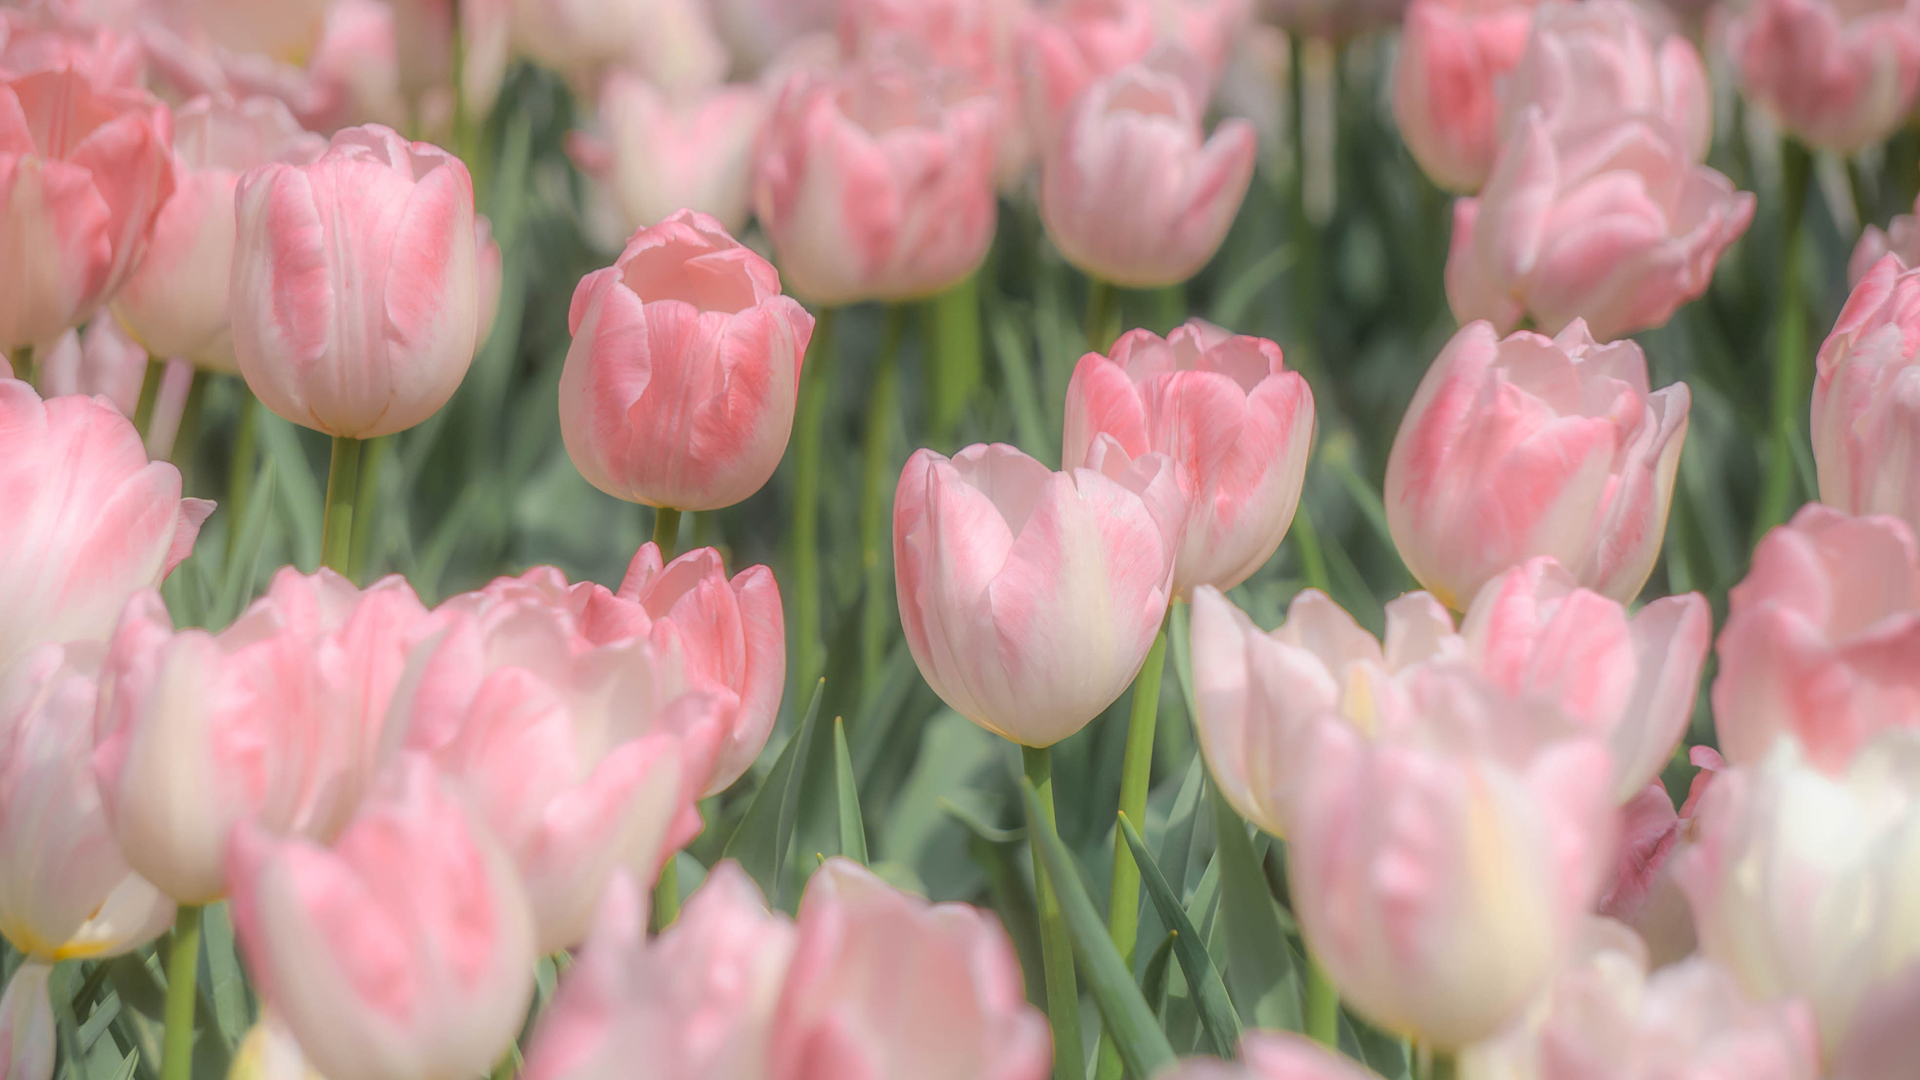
[808, 425]
[1435, 1064]
[1056, 948]
[881, 414]
[241, 467]
[343, 483]
[23, 364]
[953, 357]
[1790, 328]
[1323, 1005]
[372, 458]
[149, 397]
[666, 895]
[1103, 311]
[183, 968]
[666, 532]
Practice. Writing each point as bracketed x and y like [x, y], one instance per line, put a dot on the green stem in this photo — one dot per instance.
[343, 482]
[241, 465]
[372, 459]
[188, 436]
[1103, 310]
[1056, 948]
[666, 532]
[881, 415]
[1323, 1006]
[809, 423]
[183, 968]
[666, 896]
[1790, 360]
[23, 368]
[954, 354]
[149, 395]
[1123, 911]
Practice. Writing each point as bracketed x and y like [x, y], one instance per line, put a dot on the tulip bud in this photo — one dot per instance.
[1129, 191]
[26, 1024]
[1268, 1055]
[1902, 238]
[1840, 75]
[404, 950]
[1029, 598]
[1453, 54]
[354, 299]
[1068, 45]
[1229, 411]
[1866, 398]
[663, 154]
[1530, 446]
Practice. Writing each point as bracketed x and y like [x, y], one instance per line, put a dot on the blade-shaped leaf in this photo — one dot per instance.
[1216, 1011]
[1153, 981]
[1260, 974]
[243, 546]
[853, 830]
[761, 841]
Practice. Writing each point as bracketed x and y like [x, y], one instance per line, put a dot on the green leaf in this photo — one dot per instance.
[244, 542]
[304, 504]
[980, 828]
[228, 985]
[761, 841]
[1260, 973]
[1153, 981]
[1131, 1024]
[853, 831]
[1216, 1011]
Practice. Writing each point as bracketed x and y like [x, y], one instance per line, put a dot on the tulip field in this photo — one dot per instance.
[960, 539]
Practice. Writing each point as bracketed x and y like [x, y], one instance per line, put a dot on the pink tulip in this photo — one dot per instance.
[1616, 225]
[47, 37]
[1803, 881]
[702, 423]
[1453, 55]
[275, 721]
[1130, 193]
[88, 523]
[694, 1003]
[1068, 45]
[1534, 446]
[1866, 398]
[1822, 639]
[355, 296]
[1442, 868]
[661, 154]
[403, 950]
[1229, 412]
[27, 1032]
[884, 984]
[101, 360]
[1269, 1055]
[65, 890]
[1029, 598]
[974, 36]
[1901, 237]
[286, 30]
[758, 32]
[671, 42]
[83, 171]
[268, 1051]
[175, 303]
[1839, 74]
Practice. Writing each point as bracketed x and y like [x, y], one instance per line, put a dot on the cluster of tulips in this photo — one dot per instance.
[451, 840]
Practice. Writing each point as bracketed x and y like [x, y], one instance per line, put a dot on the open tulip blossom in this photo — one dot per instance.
[959, 540]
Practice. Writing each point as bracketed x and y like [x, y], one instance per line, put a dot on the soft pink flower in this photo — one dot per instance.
[1227, 410]
[45, 37]
[1645, 893]
[1615, 225]
[975, 36]
[1901, 237]
[680, 385]
[275, 721]
[1029, 598]
[99, 360]
[759, 32]
[1132, 192]
[284, 30]
[1840, 74]
[1271, 1055]
[26, 1024]
[1453, 54]
[83, 172]
[175, 302]
[88, 520]
[1822, 639]
[671, 42]
[877, 183]
[1068, 45]
[1866, 398]
[355, 300]
[403, 950]
[659, 154]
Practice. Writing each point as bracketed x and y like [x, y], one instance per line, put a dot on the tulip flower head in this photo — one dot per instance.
[659, 154]
[1453, 56]
[1866, 398]
[1840, 75]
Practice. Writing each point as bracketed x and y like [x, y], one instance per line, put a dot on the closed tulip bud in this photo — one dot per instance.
[1615, 225]
[1229, 412]
[885, 984]
[26, 1024]
[1822, 639]
[1453, 56]
[1530, 446]
[175, 303]
[877, 182]
[274, 721]
[1803, 883]
[1029, 598]
[354, 301]
[1839, 75]
[659, 154]
[1068, 45]
[1131, 192]
[1268, 1055]
[680, 385]
[84, 170]
[89, 520]
[1589, 65]
[403, 950]
[1866, 398]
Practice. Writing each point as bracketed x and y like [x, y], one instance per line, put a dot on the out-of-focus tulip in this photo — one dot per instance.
[1607, 1018]
[269, 1051]
[355, 300]
[45, 37]
[758, 32]
[877, 183]
[1268, 1055]
[658, 154]
[404, 950]
[89, 520]
[1131, 193]
[1453, 54]
[175, 302]
[884, 984]
[975, 36]
[1839, 74]
[1029, 598]
[1617, 226]
[83, 172]
[1822, 639]
[1228, 411]
[1068, 45]
[696, 1002]
[671, 42]
[1866, 398]
[26, 1025]
[1530, 446]
[1645, 893]
[275, 721]
[1803, 881]
[1901, 237]
[100, 360]
[1442, 869]
[285, 30]
[679, 387]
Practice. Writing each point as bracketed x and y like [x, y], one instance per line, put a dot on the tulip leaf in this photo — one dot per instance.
[1016, 372]
[1260, 972]
[244, 540]
[1153, 981]
[761, 841]
[1222, 1024]
[853, 831]
[228, 985]
[1131, 1024]
[304, 504]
